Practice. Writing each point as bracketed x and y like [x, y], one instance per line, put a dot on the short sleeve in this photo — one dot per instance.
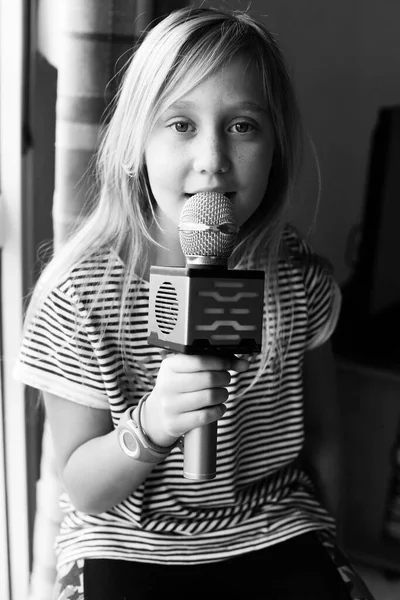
[323, 296]
[58, 352]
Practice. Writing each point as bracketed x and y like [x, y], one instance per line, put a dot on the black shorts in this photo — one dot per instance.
[303, 568]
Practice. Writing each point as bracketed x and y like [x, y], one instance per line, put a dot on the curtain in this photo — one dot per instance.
[89, 42]
[95, 42]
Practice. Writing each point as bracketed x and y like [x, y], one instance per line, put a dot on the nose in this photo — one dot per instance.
[211, 154]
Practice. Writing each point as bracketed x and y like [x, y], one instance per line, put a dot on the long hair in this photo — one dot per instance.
[178, 54]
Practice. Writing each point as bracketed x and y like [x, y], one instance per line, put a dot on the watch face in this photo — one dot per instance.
[129, 443]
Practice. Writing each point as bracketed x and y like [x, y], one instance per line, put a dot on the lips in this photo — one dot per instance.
[229, 195]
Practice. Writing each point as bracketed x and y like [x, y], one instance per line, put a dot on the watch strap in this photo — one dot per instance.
[135, 442]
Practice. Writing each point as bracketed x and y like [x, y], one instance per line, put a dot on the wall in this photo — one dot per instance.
[345, 57]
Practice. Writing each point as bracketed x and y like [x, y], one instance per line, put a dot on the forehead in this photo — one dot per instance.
[236, 82]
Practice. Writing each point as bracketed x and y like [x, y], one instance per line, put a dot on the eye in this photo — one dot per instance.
[182, 127]
[242, 127]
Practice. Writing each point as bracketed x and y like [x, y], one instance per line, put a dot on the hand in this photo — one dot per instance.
[190, 391]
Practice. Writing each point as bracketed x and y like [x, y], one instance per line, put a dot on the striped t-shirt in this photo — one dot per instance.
[258, 497]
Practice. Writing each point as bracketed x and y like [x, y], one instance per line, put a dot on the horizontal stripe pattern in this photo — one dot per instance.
[258, 498]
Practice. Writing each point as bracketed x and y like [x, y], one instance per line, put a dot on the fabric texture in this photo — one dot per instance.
[257, 498]
[304, 567]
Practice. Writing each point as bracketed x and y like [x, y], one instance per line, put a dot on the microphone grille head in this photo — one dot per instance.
[208, 228]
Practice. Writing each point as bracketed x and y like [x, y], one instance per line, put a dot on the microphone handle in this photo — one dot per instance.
[200, 453]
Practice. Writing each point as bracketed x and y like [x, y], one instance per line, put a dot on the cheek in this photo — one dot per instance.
[256, 161]
[163, 163]
[157, 172]
[258, 168]
[155, 158]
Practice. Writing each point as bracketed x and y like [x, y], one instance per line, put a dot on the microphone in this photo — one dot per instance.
[204, 307]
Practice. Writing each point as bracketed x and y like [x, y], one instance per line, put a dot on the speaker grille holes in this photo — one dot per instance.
[166, 307]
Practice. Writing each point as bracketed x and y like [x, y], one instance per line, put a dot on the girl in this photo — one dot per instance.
[206, 105]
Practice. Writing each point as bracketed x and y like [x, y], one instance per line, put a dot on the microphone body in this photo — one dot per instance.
[205, 308]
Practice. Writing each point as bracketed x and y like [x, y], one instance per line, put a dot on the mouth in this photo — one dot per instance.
[229, 195]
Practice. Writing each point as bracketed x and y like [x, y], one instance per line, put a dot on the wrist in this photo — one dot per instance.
[151, 426]
[135, 442]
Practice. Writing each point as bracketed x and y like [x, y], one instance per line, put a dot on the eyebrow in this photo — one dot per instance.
[244, 105]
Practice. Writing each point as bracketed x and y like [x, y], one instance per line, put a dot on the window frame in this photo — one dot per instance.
[14, 242]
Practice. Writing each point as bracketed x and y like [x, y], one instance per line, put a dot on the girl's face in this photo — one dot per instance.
[218, 137]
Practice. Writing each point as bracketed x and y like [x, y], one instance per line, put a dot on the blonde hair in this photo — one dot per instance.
[176, 55]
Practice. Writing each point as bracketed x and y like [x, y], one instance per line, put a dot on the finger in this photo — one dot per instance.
[199, 400]
[197, 418]
[188, 363]
[199, 380]
[165, 353]
[240, 365]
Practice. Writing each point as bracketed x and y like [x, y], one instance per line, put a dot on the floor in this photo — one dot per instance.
[381, 586]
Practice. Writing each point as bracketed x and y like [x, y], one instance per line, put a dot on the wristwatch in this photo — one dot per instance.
[135, 442]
